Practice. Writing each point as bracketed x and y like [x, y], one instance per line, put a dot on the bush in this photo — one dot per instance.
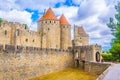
[108, 57]
[115, 50]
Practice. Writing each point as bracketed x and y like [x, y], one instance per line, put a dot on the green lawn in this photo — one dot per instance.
[70, 74]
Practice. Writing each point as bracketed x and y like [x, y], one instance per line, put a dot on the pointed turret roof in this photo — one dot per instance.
[81, 30]
[49, 15]
[63, 20]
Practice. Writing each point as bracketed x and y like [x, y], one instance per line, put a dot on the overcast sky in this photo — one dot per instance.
[93, 15]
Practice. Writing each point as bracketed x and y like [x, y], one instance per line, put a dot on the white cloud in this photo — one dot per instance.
[93, 15]
[17, 16]
[8, 5]
[31, 4]
[34, 26]
[77, 1]
[67, 11]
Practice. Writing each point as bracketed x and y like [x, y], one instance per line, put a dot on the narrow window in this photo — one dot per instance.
[17, 33]
[5, 32]
[26, 40]
[50, 21]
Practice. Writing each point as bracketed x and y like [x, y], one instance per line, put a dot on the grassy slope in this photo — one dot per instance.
[70, 74]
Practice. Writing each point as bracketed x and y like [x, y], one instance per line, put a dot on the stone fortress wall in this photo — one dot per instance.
[18, 34]
[23, 63]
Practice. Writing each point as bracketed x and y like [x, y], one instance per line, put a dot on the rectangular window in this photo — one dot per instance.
[5, 32]
[17, 33]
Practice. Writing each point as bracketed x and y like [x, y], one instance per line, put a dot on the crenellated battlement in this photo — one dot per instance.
[28, 49]
[5, 23]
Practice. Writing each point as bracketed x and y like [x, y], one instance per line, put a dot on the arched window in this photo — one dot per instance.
[97, 56]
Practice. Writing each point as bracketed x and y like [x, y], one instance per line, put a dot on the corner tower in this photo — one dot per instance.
[65, 33]
[49, 30]
[81, 38]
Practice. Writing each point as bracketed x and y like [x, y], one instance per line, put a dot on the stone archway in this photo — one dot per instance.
[97, 56]
[76, 55]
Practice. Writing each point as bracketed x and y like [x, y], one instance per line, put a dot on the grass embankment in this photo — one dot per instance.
[70, 74]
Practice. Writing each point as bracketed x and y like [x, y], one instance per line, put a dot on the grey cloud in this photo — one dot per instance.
[105, 32]
[104, 17]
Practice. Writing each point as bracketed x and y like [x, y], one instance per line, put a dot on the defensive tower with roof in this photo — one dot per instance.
[65, 33]
[49, 30]
[55, 33]
[81, 38]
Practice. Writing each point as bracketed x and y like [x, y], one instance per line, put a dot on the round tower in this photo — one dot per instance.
[65, 33]
[49, 30]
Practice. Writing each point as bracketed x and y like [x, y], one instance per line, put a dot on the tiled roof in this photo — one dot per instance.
[63, 20]
[49, 15]
[81, 30]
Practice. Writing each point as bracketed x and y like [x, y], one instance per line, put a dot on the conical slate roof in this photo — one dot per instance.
[49, 15]
[63, 20]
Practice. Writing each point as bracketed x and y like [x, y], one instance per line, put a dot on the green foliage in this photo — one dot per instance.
[115, 50]
[107, 57]
[115, 28]
[1, 20]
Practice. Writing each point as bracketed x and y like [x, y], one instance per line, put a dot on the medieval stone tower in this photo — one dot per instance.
[54, 33]
[49, 29]
[65, 33]
[81, 38]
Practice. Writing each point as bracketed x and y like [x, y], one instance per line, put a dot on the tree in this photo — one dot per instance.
[0, 21]
[115, 50]
[115, 28]
[107, 57]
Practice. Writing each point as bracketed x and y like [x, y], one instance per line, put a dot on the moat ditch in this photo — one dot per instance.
[69, 74]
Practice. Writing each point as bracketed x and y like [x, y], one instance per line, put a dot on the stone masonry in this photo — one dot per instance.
[32, 62]
[25, 54]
